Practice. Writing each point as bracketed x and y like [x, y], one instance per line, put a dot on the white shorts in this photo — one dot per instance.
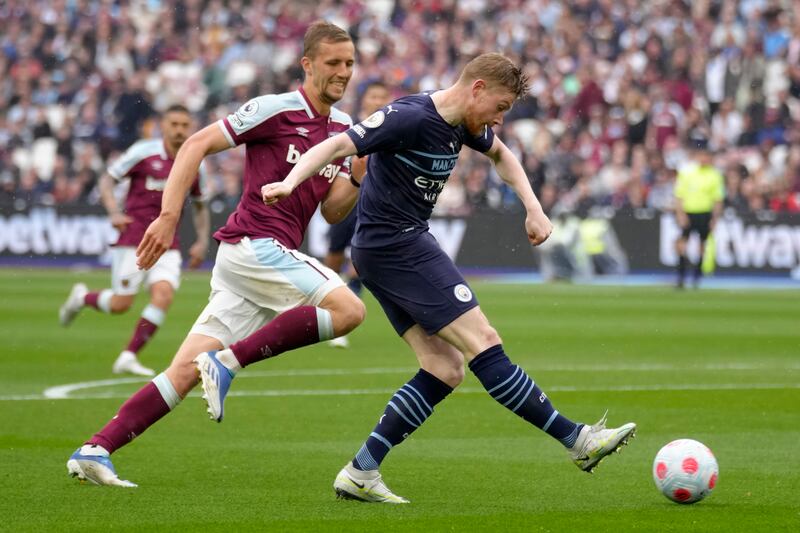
[254, 280]
[126, 278]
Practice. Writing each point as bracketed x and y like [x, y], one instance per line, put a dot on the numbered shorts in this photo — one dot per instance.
[254, 280]
[415, 283]
[127, 278]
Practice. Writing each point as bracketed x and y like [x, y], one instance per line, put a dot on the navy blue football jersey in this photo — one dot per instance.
[413, 151]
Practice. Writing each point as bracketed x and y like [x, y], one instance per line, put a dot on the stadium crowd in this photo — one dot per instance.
[620, 89]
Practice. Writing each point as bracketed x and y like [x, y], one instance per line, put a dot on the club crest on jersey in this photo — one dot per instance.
[462, 292]
[374, 120]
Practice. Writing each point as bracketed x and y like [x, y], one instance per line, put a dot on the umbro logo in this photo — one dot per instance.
[302, 131]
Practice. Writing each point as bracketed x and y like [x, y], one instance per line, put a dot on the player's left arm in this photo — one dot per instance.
[510, 170]
[336, 147]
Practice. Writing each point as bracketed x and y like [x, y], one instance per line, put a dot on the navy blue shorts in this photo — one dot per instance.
[341, 233]
[415, 283]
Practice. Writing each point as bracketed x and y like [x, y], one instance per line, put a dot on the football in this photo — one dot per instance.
[685, 471]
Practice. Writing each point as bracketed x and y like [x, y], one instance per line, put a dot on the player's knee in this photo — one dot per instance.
[349, 316]
[161, 297]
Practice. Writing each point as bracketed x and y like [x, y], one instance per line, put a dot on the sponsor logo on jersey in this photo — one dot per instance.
[329, 171]
[302, 131]
[154, 184]
[359, 130]
[374, 120]
[430, 188]
[157, 164]
[462, 292]
[390, 110]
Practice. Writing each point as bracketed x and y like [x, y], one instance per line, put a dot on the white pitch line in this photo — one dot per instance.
[462, 390]
[61, 392]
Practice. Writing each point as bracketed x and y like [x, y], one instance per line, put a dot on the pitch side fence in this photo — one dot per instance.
[72, 235]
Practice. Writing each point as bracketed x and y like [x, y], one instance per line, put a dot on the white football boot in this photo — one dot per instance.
[128, 363]
[365, 486]
[93, 463]
[73, 304]
[595, 442]
[339, 342]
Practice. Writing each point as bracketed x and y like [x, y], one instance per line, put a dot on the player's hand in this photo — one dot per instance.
[197, 253]
[538, 227]
[120, 221]
[272, 193]
[157, 240]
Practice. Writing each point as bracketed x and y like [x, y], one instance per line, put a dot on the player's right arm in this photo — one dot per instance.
[158, 237]
[118, 219]
[336, 147]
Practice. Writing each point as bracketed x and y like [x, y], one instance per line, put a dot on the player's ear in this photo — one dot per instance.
[477, 87]
[305, 62]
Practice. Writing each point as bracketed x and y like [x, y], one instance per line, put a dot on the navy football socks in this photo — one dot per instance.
[510, 386]
[410, 406]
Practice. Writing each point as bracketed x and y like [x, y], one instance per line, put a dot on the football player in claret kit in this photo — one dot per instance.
[146, 164]
[413, 145]
[266, 297]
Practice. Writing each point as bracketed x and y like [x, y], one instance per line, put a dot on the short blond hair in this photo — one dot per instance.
[497, 70]
[322, 31]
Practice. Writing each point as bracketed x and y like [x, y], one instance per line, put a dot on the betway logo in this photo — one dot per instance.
[739, 245]
[43, 232]
[448, 232]
[154, 184]
[328, 171]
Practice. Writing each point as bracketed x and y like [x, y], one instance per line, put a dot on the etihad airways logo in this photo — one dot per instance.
[329, 171]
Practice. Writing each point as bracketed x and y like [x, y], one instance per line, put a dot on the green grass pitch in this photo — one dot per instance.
[721, 367]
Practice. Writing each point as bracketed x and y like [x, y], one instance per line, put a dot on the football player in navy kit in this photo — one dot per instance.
[414, 144]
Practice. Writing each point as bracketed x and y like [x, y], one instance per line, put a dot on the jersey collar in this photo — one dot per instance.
[312, 113]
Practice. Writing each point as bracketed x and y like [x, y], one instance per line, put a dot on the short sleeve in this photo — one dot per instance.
[122, 166]
[483, 142]
[392, 128]
[251, 121]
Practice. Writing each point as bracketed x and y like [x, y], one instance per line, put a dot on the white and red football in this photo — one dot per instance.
[685, 471]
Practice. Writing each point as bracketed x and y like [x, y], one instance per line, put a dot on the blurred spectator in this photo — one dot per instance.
[617, 87]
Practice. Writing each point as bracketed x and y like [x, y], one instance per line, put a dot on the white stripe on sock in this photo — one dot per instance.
[104, 300]
[153, 314]
[324, 324]
[168, 392]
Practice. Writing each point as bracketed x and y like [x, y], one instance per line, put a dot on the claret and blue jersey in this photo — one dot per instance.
[413, 152]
